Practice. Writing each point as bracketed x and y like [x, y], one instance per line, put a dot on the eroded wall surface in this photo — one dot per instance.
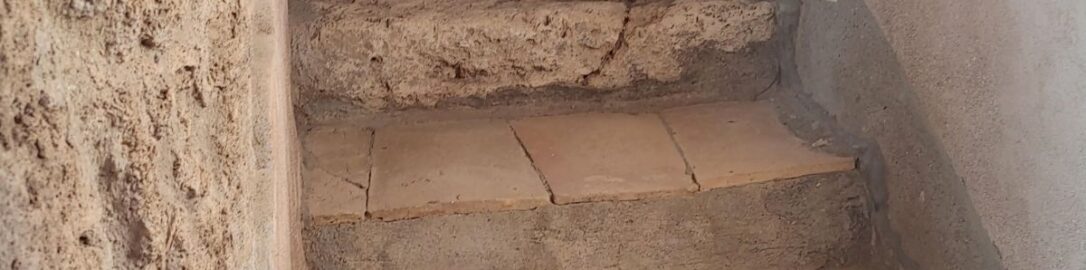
[129, 135]
[395, 54]
[978, 107]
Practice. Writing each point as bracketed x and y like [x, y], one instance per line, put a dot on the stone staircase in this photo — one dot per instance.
[359, 178]
[459, 167]
[543, 134]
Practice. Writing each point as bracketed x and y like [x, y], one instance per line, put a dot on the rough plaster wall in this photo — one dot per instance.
[397, 54]
[997, 88]
[126, 135]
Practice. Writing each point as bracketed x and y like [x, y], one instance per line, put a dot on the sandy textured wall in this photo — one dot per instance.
[423, 53]
[127, 135]
[978, 108]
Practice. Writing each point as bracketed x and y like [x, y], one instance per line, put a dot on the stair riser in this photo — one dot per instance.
[422, 53]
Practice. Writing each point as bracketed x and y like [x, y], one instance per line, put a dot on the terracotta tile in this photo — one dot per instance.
[458, 167]
[597, 157]
[729, 144]
[336, 167]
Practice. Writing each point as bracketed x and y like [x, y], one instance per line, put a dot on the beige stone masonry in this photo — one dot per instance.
[454, 167]
[731, 144]
[336, 170]
[601, 157]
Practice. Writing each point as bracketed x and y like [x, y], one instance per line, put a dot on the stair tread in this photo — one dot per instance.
[605, 156]
[452, 167]
[472, 166]
[736, 143]
[336, 168]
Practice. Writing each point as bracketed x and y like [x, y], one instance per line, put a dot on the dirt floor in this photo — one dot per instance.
[814, 222]
[125, 134]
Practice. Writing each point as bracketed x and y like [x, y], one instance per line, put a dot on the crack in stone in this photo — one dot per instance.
[619, 43]
[675, 143]
[776, 80]
[369, 175]
[321, 166]
[341, 177]
[538, 172]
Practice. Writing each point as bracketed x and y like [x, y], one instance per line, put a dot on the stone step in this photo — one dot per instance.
[496, 165]
[740, 143]
[605, 156]
[353, 57]
[336, 172]
[807, 223]
[457, 167]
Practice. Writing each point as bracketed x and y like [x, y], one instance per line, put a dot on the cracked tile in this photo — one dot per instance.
[736, 143]
[600, 157]
[336, 168]
[454, 167]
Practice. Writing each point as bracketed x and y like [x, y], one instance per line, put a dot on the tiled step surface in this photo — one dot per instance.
[444, 168]
[605, 156]
[733, 144]
[493, 165]
[336, 172]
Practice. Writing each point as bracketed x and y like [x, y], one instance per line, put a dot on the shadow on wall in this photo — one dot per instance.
[845, 63]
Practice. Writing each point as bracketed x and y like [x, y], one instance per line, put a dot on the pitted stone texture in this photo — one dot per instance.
[336, 172]
[453, 167]
[399, 54]
[658, 33]
[736, 143]
[137, 134]
[598, 157]
[419, 51]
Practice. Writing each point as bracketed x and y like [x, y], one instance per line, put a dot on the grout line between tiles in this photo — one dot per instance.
[531, 161]
[674, 142]
[369, 177]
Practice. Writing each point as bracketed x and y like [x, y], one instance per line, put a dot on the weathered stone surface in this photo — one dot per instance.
[329, 199]
[816, 222]
[417, 53]
[336, 171]
[736, 143]
[133, 136]
[342, 150]
[452, 167]
[658, 33]
[598, 157]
